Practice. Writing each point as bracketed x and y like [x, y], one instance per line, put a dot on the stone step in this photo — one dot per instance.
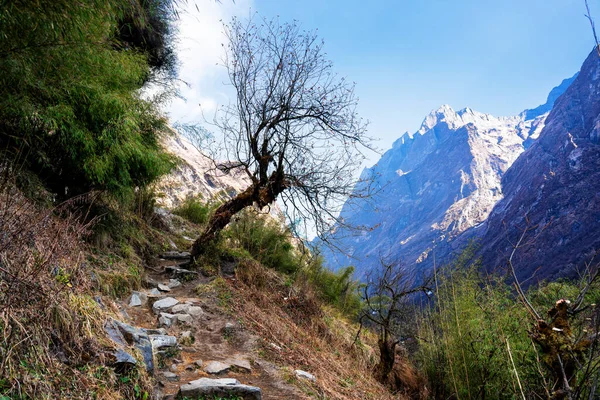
[219, 387]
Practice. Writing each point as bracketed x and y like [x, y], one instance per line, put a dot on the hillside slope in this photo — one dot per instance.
[552, 189]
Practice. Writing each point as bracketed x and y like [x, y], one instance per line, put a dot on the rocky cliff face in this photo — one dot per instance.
[553, 190]
[436, 184]
[197, 174]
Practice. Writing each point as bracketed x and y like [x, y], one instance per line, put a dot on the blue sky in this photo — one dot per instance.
[409, 57]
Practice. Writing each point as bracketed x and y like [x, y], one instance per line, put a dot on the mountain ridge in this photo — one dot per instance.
[435, 184]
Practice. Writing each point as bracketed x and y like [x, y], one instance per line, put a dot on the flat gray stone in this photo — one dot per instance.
[240, 364]
[219, 387]
[164, 304]
[170, 376]
[155, 292]
[305, 375]
[173, 283]
[135, 300]
[216, 367]
[163, 288]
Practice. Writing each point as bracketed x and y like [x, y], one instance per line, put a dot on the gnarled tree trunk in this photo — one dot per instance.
[259, 194]
[387, 357]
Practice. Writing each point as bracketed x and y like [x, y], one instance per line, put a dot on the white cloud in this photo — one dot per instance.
[200, 51]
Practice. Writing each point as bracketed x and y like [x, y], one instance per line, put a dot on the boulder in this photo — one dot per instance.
[217, 367]
[195, 311]
[124, 361]
[124, 335]
[166, 319]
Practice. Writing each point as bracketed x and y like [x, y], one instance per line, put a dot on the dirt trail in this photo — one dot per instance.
[217, 335]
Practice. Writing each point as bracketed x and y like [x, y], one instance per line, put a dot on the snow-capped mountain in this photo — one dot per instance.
[435, 184]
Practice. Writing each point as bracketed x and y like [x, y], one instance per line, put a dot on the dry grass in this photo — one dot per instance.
[51, 329]
[311, 337]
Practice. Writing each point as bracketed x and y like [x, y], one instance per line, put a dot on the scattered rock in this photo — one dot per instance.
[195, 311]
[180, 308]
[164, 304]
[138, 299]
[216, 367]
[124, 335]
[124, 361]
[175, 255]
[205, 387]
[155, 292]
[163, 288]
[184, 319]
[229, 329]
[305, 375]
[166, 319]
[173, 368]
[199, 363]
[170, 376]
[173, 283]
[160, 341]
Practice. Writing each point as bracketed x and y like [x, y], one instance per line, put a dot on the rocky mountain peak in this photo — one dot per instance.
[436, 184]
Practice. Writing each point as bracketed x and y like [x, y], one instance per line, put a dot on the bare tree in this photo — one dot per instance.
[294, 129]
[386, 295]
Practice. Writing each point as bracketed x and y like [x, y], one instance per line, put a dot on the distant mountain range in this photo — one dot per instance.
[466, 175]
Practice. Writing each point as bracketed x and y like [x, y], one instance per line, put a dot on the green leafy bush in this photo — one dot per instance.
[266, 241]
[70, 107]
[194, 210]
[339, 289]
